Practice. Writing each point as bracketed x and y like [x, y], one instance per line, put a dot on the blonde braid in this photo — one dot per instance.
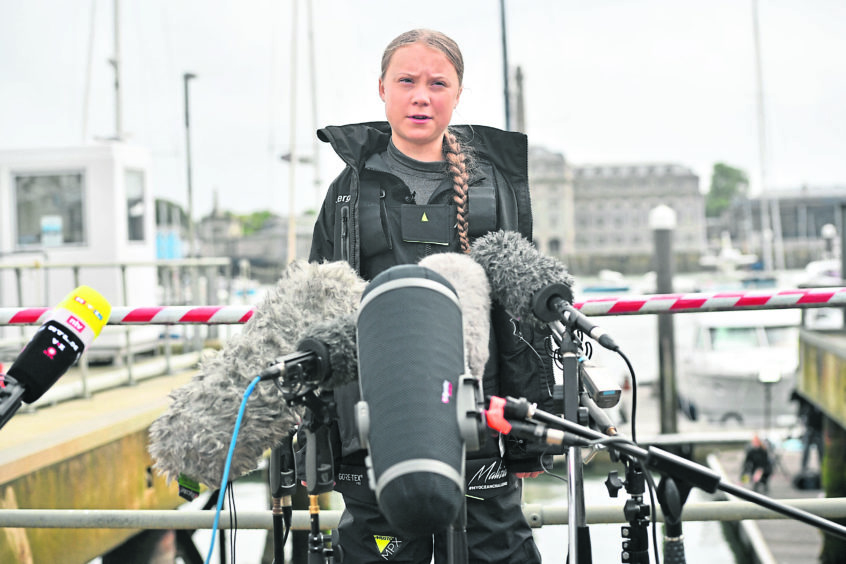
[457, 163]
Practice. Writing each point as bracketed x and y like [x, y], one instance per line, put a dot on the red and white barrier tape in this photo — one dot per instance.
[623, 305]
[156, 315]
[718, 301]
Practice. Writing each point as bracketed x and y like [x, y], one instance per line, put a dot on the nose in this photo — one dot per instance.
[420, 96]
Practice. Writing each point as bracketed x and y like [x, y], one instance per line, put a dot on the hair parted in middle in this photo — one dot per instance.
[458, 157]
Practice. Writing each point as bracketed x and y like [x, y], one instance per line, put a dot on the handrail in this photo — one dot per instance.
[624, 305]
[536, 514]
[39, 264]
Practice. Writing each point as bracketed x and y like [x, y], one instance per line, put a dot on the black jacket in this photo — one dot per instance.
[361, 222]
[501, 164]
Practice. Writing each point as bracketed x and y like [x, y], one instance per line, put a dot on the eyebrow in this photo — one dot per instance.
[418, 74]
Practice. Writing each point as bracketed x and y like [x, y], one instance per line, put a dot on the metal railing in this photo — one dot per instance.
[537, 515]
[169, 272]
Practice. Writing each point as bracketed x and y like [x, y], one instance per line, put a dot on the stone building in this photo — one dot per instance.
[597, 216]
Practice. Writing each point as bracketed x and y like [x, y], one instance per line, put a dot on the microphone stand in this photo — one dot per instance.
[319, 462]
[671, 497]
[320, 471]
[283, 483]
[666, 463]
[635, 534]
[569, 348]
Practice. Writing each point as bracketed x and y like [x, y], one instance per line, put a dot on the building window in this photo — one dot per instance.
[554, 246]
[134, 183]
[49, 209]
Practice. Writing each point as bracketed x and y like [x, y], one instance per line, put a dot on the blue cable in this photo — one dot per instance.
[220, 497]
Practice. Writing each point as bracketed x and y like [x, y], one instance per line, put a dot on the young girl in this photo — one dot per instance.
[412, 187]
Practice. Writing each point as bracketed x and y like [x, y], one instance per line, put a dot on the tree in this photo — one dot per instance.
[254, 221]
[727, 183]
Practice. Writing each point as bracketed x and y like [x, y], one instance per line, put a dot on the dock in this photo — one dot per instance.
[784, 541]
[84, 453]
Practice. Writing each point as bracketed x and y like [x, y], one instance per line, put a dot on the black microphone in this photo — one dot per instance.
[530, 285]
[57, 345]
[192, 436]
[411, 357]
[580, 321]
[326, 357]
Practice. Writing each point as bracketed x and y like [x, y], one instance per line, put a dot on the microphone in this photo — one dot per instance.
[580, 321]
[326, 357]
[59, 342]
[530, 285]
[470, 282]
[327, 354]
[192, 436]
[410, 361]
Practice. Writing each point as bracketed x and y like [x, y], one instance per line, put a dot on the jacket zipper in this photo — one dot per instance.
[345, 233]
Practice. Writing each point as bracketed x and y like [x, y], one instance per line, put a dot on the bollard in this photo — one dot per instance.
[662, 221]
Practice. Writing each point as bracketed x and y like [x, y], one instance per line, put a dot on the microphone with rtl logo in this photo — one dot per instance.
[58, 343]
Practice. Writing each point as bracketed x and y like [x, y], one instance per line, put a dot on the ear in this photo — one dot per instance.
[381, 90]
[457, 96]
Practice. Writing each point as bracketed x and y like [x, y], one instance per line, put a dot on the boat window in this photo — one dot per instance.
[782, 336]
[49, 209]
[134, 181]
[733, 338]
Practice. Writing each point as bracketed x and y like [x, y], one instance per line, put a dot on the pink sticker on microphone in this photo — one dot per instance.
[446, 393]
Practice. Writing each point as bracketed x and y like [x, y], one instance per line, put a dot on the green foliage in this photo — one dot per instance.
[727, 183]
[254, 221]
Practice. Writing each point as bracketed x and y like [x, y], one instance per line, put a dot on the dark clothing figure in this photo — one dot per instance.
[757, 465]
[812, 438]
[370, 218]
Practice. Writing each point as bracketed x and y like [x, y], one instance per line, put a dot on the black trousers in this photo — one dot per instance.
[497, 531]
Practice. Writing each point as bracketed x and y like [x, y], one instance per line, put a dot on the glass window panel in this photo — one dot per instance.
[49, 209]
[135, 212]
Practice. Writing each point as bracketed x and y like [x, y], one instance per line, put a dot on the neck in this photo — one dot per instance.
[431, 152]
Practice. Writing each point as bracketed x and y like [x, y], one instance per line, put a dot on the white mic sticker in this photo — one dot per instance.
[446, 393]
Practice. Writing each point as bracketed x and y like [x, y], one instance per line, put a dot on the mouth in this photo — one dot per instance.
[419, 117]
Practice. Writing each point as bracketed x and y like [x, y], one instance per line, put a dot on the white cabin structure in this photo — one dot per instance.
[71, 216]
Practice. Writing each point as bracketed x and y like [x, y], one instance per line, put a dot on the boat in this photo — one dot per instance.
[609, 281]
[741, 367]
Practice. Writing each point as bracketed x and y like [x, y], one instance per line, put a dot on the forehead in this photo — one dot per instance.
[419, 57]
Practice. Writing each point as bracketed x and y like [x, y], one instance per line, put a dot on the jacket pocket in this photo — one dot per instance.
[373, 222]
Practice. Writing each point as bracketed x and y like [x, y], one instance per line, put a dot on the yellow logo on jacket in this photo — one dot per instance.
[387, 546]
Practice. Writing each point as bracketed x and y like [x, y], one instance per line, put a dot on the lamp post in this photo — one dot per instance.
[662, 221]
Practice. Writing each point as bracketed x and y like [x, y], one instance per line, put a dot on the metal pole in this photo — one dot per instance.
[538, 515]
[191, 242]
[662, 220]
[292, 140]
[116, 64]
[86, 97]
[314, 125]
[766, 243]
[83, 362]
[505, 66]
[130, 376]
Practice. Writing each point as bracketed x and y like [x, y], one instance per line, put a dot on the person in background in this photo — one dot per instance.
[812, 438]
[757, 465]
[413, 186]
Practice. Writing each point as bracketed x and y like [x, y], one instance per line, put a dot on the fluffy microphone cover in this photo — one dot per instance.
[474, 293]
[516, 270]
[193, 435]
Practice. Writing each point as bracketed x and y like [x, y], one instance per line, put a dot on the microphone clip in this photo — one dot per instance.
[11, 394]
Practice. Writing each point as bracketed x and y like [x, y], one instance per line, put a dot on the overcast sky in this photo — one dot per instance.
[605, 81]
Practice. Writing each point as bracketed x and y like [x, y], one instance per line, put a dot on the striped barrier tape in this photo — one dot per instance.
[622, 305]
